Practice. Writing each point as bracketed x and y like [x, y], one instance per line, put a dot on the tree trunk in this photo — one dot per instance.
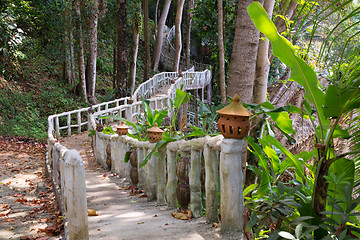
[81, 52]
[190, 7]
[133, 54]
[221, 51]
[159, 35]
[244, 54]
[68, 45]
[91, 66]
[147, 40]
[115, 67]
[178, 43]
[121, 49]
[262, 62]
[156, 16]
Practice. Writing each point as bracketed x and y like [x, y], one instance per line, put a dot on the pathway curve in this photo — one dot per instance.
[125, 217]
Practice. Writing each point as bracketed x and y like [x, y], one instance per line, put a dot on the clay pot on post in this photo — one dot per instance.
[234, 120]
[154, 133]
[122, 129]
[183, 188]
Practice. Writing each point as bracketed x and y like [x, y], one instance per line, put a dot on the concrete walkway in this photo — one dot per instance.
[122, 216]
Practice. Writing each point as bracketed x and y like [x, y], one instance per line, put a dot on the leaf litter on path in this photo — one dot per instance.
[27, 199]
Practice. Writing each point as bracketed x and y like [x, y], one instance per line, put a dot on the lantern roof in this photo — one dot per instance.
[235, 108]
[122, 125]
[155, 129]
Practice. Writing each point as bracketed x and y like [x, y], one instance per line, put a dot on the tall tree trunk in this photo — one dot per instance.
[68, 45]
[244, 54]
[133, 54]
[115, 67]
[91, 66]
[147, 40]
[81, 59]
[156, 16]
[178, 43]
[121, 49]
[221, 51]
[159, 35]
[190, 7]
[262, 62]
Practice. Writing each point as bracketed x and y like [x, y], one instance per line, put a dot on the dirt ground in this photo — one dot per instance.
[28, 209]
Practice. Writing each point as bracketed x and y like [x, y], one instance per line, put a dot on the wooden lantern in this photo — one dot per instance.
[122, 129]
[234, 120]
[154, 134]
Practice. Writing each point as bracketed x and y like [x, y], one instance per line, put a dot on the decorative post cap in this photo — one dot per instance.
[154, 133]
[122, 129]
[234, 120]
[235, 108]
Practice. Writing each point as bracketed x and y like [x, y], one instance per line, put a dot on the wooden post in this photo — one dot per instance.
[75, 192]
[231, 181]
[211, 184]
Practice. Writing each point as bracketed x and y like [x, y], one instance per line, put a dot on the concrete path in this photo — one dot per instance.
[126, 217]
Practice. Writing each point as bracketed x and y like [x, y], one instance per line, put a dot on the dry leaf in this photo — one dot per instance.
[155, 215]
[143, 196]
[92, 212]
[4, 213]
[214, 225]
[11, 228]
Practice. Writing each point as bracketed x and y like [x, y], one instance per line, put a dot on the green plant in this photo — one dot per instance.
[335, 103]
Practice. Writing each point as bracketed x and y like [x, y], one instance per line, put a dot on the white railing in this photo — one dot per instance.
[66, 166]
[222, 157]
[149, 88]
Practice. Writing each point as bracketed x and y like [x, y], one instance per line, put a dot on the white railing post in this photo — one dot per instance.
[69, 124]
[151, 174]
[57, 127]
[100, 149]
[141, 154]
[75, 192]
[194, 178]
[211, 158]
[161, 179]
[231, 181]
[172, 178]
[79, 121]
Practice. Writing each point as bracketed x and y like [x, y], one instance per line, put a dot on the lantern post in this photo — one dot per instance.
[233, 124]
[155, 167]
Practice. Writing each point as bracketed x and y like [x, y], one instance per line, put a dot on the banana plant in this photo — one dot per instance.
[332, 104]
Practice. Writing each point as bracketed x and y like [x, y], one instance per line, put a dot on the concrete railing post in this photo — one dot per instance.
[151, 175]
[118, 151]
[231, 181]
[100, 150]
[211, 184]
[161, 178]
[141, 154]
[75, 192]
[195, 183]
[172, 179]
